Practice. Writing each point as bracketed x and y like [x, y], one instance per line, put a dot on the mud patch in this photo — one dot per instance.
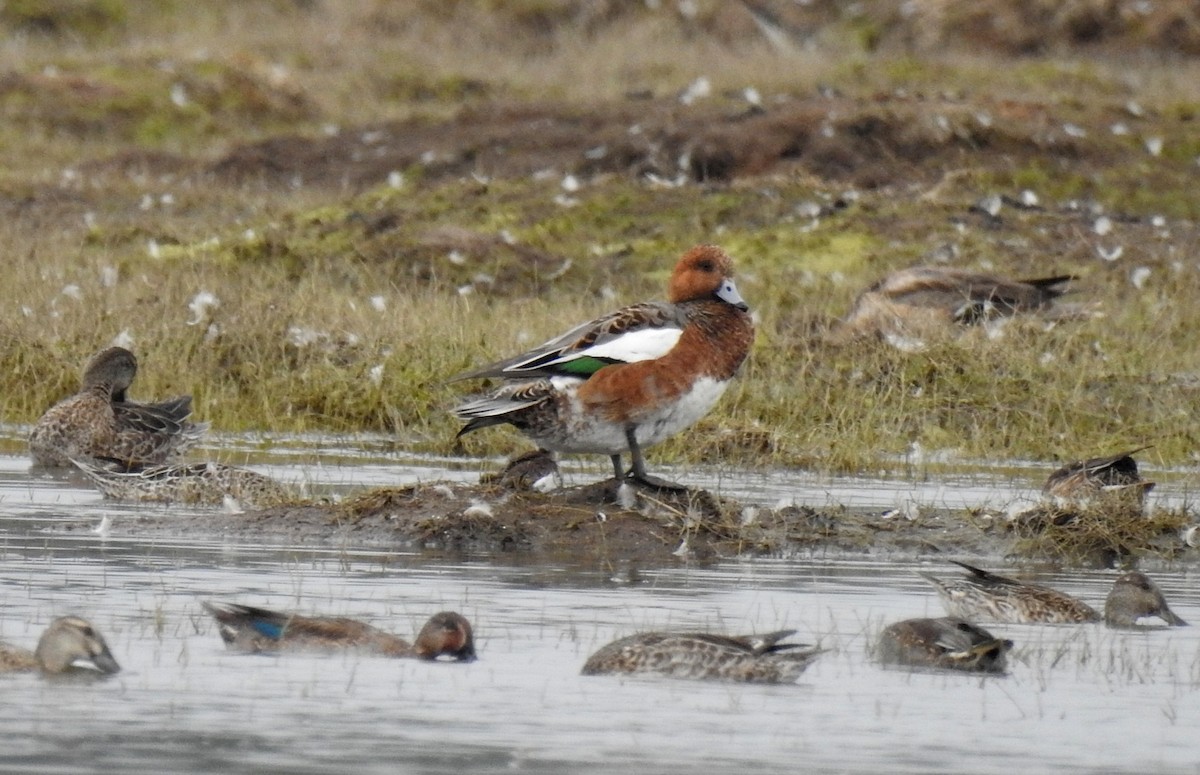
[868, 142]
[597, 526]
[584, 526]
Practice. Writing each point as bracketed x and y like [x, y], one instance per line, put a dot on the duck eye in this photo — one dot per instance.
[706, 266]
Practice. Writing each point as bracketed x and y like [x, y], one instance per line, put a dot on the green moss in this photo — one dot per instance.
[1036, 177]
[87, 19]
[867, 32]
[1067, 80]
[419, 87]
[908, 70]
[134, 101]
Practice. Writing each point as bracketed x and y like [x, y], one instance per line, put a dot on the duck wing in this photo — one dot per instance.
[635, 333]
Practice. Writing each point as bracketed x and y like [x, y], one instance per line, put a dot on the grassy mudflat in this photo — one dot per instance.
[309, 214]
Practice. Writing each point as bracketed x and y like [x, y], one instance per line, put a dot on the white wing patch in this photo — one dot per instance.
[642, 345]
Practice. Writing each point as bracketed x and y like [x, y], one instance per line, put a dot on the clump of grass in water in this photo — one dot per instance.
[359, 504]
[1100, 534]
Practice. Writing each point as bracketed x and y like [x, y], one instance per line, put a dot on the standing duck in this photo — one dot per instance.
[630, 379]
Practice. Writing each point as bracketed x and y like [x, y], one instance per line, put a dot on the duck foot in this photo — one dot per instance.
[623, 491]
[654, 483]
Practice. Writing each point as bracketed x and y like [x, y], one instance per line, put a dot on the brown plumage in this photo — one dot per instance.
[527, 471]
[744, 658]
[986, 596]
[946, 643]
[67, 642]
[99, 421]
[916, 303]
[199, 483]
[1112, 476]
[630, 379]
[257, 630]
[994, 598]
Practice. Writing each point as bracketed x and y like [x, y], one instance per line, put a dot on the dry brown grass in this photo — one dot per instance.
[1104, 535]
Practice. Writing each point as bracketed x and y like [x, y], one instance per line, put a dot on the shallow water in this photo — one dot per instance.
[1077, 699]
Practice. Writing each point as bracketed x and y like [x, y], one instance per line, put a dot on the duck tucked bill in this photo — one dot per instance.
[911, 305]
[199, 483]
[948, 643]
[744, 658]
[630, 379]
[1085, 481]
[99, 421]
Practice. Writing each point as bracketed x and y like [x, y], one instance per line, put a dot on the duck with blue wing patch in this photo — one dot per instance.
[258, 630]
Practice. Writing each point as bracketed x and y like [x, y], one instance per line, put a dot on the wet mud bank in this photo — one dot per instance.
[595, 525]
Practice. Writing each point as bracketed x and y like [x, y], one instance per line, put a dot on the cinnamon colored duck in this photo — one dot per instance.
[630, 379]
[258, 630]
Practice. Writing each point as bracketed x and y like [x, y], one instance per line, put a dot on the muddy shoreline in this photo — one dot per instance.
[587, 526]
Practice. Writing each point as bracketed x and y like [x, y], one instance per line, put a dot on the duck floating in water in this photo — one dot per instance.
[986, 596]
[947, 643]
[195, 483]
[258, 630]
[68, 644]
[100, 422]
[745, 658]
[1134, 597]
[630, 379]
